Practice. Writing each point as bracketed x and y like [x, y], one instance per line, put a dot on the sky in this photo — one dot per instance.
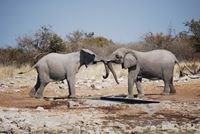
[122, 21]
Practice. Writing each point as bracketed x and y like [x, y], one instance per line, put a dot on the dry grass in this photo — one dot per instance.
[193, 66]
[92, 72]
[7, 72]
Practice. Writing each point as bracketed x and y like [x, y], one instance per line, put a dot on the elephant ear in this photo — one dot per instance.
[129, 61]
[86, 57]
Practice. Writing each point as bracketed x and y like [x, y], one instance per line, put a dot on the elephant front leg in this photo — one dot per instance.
[130, 83]
[71, 86]
[168, 79]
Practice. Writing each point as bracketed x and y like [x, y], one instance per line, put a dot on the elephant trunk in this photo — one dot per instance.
[108, 66]
[107, 71]
[98, 59]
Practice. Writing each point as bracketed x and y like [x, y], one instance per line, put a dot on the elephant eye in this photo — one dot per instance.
[118, 57]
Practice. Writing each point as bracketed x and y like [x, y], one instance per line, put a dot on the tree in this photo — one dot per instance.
[26, 43]
[75, 40]
[43, 41]
[56, 44]
[48, 41]
[160, 40]
[79, 39]
[194, 33]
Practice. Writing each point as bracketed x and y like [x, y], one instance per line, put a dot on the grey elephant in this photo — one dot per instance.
[58, 67]
[154, 65]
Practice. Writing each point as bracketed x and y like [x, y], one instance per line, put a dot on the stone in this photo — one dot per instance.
[183, 79]
[160, 85]
[109, 130]
[160, 116]
[152, 128]
[12, 82]
[93, 86]
[76, 130]
[138, 129]
[194, 77]
[72, 104]
[169, 126]
[39, 109]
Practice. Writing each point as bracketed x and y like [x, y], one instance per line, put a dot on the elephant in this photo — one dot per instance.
[58, 67]
[154, 65]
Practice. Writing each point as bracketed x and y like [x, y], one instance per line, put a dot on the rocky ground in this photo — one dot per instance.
[87, 114]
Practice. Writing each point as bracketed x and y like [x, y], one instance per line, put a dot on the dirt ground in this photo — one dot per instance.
[177, 113]
[186, 92]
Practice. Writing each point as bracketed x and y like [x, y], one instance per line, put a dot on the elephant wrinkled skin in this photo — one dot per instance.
[58, 67]
[154, 65]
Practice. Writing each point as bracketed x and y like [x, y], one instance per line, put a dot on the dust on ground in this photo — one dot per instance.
[178, 113]
[186, 92]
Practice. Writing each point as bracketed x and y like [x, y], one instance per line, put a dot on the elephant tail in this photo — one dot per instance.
[33, 67]
[181, 70]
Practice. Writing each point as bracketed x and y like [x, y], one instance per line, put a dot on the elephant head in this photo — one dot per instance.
[88, 57]
[122, 56]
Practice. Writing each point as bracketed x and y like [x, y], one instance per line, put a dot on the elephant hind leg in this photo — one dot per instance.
[139, 87]
[166, 87]
[172, 89]
[71, 86]
[35, 88]
[39, 93]
[40, 85]
[168, 78]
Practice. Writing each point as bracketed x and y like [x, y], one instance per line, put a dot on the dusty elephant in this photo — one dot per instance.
[58, 67]
[154, 65]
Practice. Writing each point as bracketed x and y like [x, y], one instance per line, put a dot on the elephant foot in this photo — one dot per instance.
[165, 93]
[130, 96]
[31, 94]
[38, 96]
[140, 95]
[173, 92]
[71, 96]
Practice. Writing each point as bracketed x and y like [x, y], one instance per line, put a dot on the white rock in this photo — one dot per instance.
[161, 116]
[160, 85]
[152, 128]
[12, 82]
[169, 126]
[109, 130]
[138, 129]
[121, 79]
[76, 130]
[40, 109]
[195, 76]
[73, 104]
[183, 79]
[13, 109]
